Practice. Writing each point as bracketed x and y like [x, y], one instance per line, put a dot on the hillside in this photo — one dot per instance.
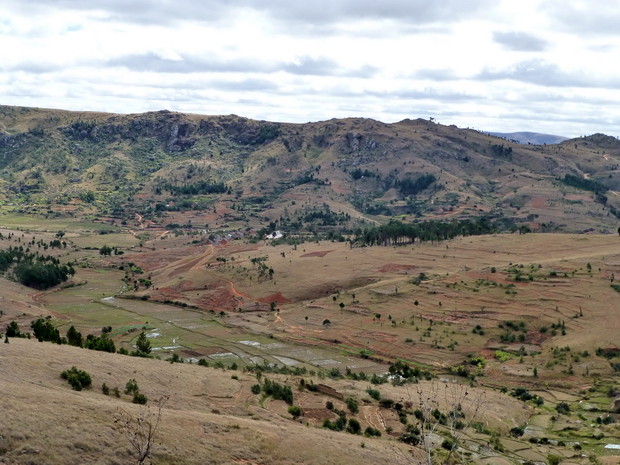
[255, 172]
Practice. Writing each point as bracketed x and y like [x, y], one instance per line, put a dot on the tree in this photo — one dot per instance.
[326, 322]
[74, 338]
[341, 306]
[105, 250]
[60, 234]
[140, 429]
[12, 330]
[143, 344]
[354, 426]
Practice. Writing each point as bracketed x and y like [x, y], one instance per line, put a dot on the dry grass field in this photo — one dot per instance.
[513, 310]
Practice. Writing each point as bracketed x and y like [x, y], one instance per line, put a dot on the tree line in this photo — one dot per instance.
[398, 233]
[199, 188]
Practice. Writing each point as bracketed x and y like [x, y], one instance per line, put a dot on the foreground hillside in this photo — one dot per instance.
[209, 418]
[244, 172]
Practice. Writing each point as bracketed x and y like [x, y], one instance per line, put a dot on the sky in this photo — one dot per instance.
[549, 66]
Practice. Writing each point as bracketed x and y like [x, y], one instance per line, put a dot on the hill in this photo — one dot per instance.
[66, 164]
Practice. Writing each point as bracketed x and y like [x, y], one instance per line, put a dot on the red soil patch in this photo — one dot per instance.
[219, 296]
[316, 254]
[539, 202]
[392, 267]
[277, 298]
[169, 293]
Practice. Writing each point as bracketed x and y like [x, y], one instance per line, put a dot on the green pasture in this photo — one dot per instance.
[9, 219]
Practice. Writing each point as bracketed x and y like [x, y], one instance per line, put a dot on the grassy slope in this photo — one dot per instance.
[44, 421]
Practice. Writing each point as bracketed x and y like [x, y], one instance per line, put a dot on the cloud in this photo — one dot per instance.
[305, 66]
[154, 63]
[520, 41]
[541, 73]
[309, 66]
[592, 17]
[317, 12]
[31, 67]
[436, 74]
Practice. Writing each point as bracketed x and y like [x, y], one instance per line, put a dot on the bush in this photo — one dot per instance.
[105, 389]
[295, 411]
[448, 444]
[131, 387]
[352, 405]
[139, 398]
[517, 432]
[255, 389]
[373, 393]
[354, 426]
[78, 379]
[278, 391]
[563, 407]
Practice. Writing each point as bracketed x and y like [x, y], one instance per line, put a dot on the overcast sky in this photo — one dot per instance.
[548, 66]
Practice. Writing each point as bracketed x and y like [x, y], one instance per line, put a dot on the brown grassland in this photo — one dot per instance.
[425, 320]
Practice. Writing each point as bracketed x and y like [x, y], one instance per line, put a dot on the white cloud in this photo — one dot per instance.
[498, 65]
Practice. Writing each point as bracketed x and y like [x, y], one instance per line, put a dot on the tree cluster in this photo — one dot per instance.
[34, 270]
[408, 186]
[398, 233]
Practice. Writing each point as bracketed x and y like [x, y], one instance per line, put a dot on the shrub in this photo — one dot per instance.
[278, 391]
[352, 405]
[563, 407]
[373, 393]
[78, 379]
[295, 411]
[354, 426]
[517, 432]
[139, 398]
[370, 431]
[105, 389]
[255, 389]
[448, 444]
[131, 387]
